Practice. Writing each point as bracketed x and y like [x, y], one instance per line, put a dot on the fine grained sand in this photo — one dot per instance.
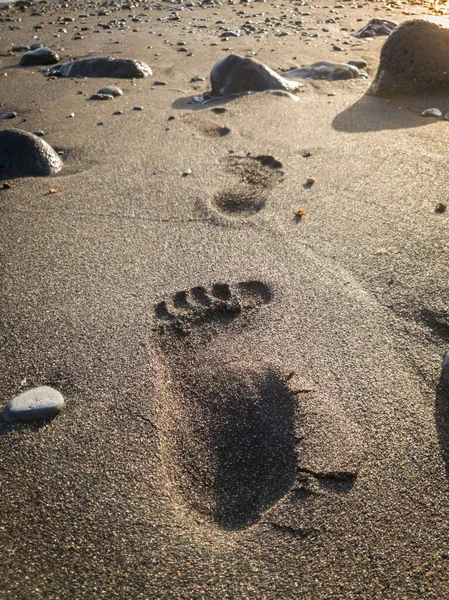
[253, 399]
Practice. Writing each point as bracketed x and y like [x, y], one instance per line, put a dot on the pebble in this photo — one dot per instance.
[40, 56]
[360, 64]
[38, 403]
[137, 107]
[102, 67]
[160, 83]
[9, 115]
[441, 207]
[111, 90]
[98, 96]
[187, 171]
[432, 112]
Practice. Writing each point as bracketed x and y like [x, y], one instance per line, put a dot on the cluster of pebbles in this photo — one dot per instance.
[413, 60]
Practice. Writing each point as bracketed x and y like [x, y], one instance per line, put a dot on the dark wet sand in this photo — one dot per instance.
[129, 492]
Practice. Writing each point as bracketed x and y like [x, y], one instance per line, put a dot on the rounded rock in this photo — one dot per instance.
[33, 405]
[102, 67]
[414, 60]
[40, 56]
[432, 112]
[23, 154]
[111, 90]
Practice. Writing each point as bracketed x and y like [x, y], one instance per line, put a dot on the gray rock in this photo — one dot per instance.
[35, 46]
[98, 96]
[414, 60]
[111, 90]
[23, 154]
[40, 56]
[102, 67]
[137, 107]
[20, 48]
[432, 112]
[376, 27]
[38, 403]
[325, 70]
[234, 74]
[360, 64]
[9, 115]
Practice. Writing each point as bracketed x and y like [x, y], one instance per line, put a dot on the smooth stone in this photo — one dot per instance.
[325, 70]
[33, 405]
[159, 83]
[432, 112]
[413, 60]
[20, 48]
[98, 96]
[137, 107]
[40, 56]
[234, 74]
[35, 46]
[10, 115]
[375, 28]
[111, 90]
[23, 154]
[360, 64]
[102, 67]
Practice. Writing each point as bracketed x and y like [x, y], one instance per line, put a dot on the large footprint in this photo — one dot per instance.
[231, 427]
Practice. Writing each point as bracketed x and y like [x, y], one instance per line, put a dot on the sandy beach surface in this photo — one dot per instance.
[285, 438]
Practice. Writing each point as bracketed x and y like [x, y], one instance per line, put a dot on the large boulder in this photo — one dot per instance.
[376, 27]
[414, 60]
[24, 154]
[121, 68]
[325, 70]
[234, 74]
[40, 56]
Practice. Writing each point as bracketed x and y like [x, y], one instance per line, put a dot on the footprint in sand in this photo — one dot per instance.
[229, 426]
[257, 175]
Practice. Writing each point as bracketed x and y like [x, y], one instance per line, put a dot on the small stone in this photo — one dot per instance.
[137, 107]
[40, 56]
[38, 403]
[160, 83]
[101, 97]
[311, 180]
[441, 207]
[359, 64]
[10, 115]
[39, 133]
[71, 115]
[197, 78]
[111, 90]
[432, 112]
[187, 171]
[118, 112]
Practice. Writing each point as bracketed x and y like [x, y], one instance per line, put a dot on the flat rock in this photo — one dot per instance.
[375, 28]
[413, 60]
[102, 67]
[111, 90]
[325, 70]
[8, 115]
[40, 56]
[38, 403]
[234, 74]
[23, 154]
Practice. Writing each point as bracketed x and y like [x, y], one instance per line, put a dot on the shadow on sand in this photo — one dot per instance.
[442, 421]
[371, 113]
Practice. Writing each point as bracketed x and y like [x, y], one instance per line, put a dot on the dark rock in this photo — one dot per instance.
[325, 70]
[360, 64]
[40, 56]
[102, 67]
[33, 405]
[414, 60]
[236, 75]
[24, 154]
[35, 46]
[10, 115]
[20, 48]
[376, 27]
